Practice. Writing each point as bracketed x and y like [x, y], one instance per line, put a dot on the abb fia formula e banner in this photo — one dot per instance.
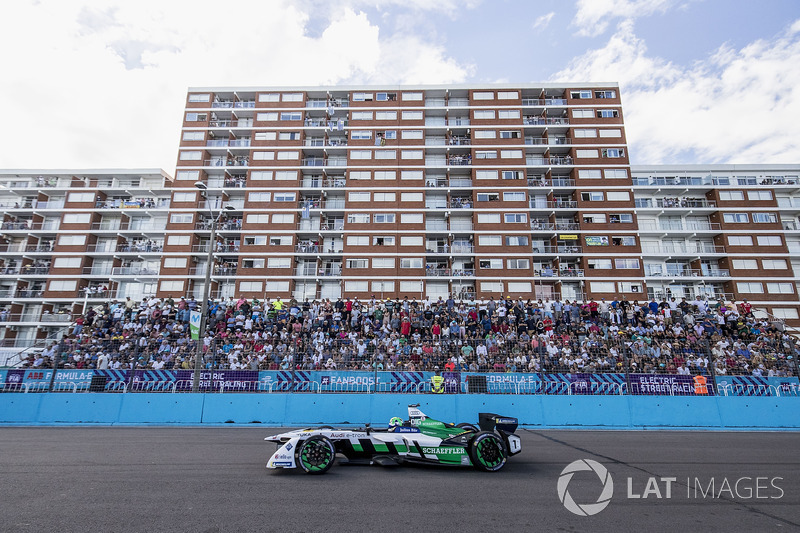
[757, 386]
[670, 385]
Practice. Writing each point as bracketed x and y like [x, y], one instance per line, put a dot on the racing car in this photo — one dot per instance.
[420, 439]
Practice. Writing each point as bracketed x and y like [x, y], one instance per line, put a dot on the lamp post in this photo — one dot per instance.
[198, 358]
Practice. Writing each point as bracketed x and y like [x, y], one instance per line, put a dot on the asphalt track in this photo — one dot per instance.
[113, 479]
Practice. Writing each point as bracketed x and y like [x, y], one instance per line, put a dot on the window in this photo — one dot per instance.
[188, 175]
[385, 197]
[616, 173]
[512, 175]
[82, 197]
[72, 240]
[253, 218]
[508, 114]
[510, 154]
[780, 288]
[618, 196]
[582, 113]
[172, 286]
[191, 156]
[174, 262]
[485, 134]
[764, 218]
[488, 218]
[750, 287]
[412, 240]
[585, 133]
[507, 95]
[292, 115]
[285, 196]
[181, 218]
[252, 263]
[595, 196]
[277, 286]
[731, 195]
[490, 264]
[357, 263]
[594, 218]
[602, 286]
[259, 196]
[490, 240]
[740, 240]
[586, 174]
[76, 218]
[624, 240]
[261, 175]
[516, 217]
[193, 135]
[289, 136]
[196, 117]
[492, 286]
[739, 218]
[410, 262]
[513, 196]
[785, 313]
[486, 154]
[362, 97]
[279, 262]
[509, 134]
[488, 197]
[357, 240]
[581, 94]
[359, 174]
[605, 94]
[483, 95]
[184, 197]
[265, 135]
[745, 264]
[356, 286]
[286, 175]
[410, 154]
[267, 117]
[358, 218]
[769, 240]
[412, 134]
[269, 97]
[199, 97]
[178, 240]
[586, 154]
[607, 113]
[292, 97]
[256, 240]
[411, 218]
[517, 241]
[360, 154]
[773, 264]
[483, 114]
[759, 195]
[383, 262]
[360, 134]
[361, 115]
[385, 175]
[620, 218]
[263, 156]
[280, 240]
[486, 175]
[411, 197]
[282, 218]
[411, 175]
[67, 262]
[405, 286]
[411, 97]
[385, 115]
[613, 152]
[518, 264]
[599, 264]
[610, 133]
[411, 115]
[358, 197]
[385, 154]
[383, 240]
[626, 263]
[63, 285]
[626, 286]
[383, 218]
[250, 286]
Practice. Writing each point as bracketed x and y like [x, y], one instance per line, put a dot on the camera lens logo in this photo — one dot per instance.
[586, 509]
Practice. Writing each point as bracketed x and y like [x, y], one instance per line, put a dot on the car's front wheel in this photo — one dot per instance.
[316, 455]
[487, 451]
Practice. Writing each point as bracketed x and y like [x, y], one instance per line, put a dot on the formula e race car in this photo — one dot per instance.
[419, 439]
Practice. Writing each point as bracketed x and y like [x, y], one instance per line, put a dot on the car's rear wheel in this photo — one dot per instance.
[467, 427]
[487, 452]
[316, 455]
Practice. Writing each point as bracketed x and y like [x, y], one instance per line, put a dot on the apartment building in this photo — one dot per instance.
[478, 192]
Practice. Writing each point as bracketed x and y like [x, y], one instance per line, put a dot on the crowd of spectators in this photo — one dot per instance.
[505, 335]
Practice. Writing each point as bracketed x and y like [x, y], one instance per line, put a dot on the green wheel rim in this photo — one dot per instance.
[316, 456]
[489, 453]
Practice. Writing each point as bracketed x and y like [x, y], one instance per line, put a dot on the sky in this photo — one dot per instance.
[102, 83]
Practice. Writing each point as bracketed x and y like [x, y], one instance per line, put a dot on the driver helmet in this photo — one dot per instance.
[395, 421]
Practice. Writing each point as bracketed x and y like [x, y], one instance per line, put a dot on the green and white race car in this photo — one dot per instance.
[419, 439]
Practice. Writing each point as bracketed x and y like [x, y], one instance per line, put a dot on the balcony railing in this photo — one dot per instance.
[542, 226]
[460, 203]
[134, 271]
[232, 162]
[571, 272]
[569, 249]
[307, 248]
[676, 226]
[543, 101]
[568, 226]
[540, 121]
[555, 204]
[34, 270]
[137, 247]
[683, 249]
[675, 203]
[685, 273]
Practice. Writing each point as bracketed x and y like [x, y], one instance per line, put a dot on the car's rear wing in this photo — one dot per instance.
[491, 421]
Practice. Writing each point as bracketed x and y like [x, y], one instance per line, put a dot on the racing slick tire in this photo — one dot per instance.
[487, 451]
[315, 455]
[467, 426]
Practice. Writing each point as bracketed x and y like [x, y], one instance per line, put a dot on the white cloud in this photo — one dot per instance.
[544, 20]
[594, 16]
[105, 86]
[736, 106]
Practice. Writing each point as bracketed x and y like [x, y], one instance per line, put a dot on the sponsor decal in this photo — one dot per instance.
[283, 456]
[288, 446]
[348, 435]
[443, 451]
[406, 430]
[282, 463]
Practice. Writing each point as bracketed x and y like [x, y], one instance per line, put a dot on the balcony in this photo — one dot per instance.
[219, 271]
[97, 271]
[135, 247]
[134, 203]
[460, 203]
[675, 203]
[568, 226]
[543, 101]
[676, 226]
[457, 140]
[458, 122]
[555, 204]
[686, 249]
[307, 248]
[459, 160]
[29, 270]
[229, 162]
[458, 102]
[537, 225]
[571, 272]
[540, 121]
[436, 271]
[47, 247]
[228, 123]
[225, 225]
[462, 249]
[569, 249]
[659, 272]
[239, 143]
[134, 270]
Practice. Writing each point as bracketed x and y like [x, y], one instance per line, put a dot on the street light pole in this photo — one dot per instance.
[198, 358]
